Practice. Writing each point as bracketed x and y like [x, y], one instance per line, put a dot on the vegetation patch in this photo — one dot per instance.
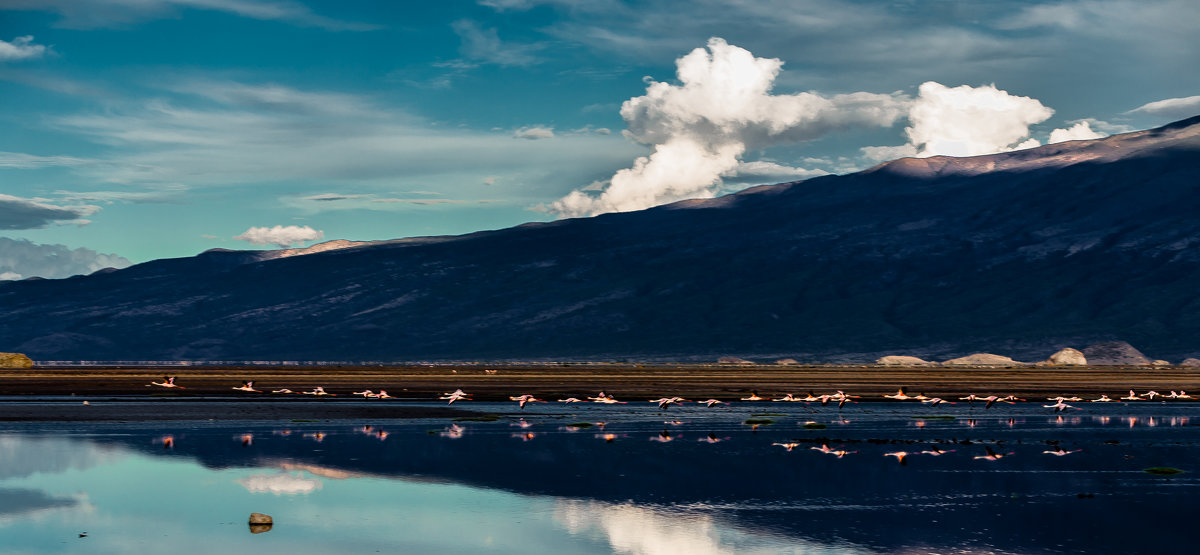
[814, 426]
[935, 417]
[1163, 470]
[580, 425]
[480, 418]
[758, 421]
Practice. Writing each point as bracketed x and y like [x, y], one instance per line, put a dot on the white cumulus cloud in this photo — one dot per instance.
[21, 48]
[965, 121]
[281, 236]
[969, 121]
[700, 128]
[1079, 132]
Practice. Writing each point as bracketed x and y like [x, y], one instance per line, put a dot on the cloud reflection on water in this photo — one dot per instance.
[280, 484]
[645, 530]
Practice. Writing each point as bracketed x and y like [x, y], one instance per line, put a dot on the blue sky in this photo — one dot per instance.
[140, 129]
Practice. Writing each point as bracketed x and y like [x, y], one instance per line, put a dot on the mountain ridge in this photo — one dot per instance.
[1019, 253]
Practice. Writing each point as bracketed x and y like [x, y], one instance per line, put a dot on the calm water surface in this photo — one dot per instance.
[615, 479]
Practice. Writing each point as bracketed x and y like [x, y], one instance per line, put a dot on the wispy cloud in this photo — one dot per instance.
[21, 48]
[86, 14]
[534, 132]
[204, 133]
[1175, 108]
[484, 44]
[23, 161]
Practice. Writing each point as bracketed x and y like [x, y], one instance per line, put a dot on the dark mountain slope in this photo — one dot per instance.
[1018, 253]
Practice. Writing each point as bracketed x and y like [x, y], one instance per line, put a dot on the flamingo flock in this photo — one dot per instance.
[839, 397]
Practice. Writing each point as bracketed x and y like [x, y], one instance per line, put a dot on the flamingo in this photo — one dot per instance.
[711, 402]
[1131, 397]
[934, 452]
[168, 381]
[787, 397]
[1150, 394]
[456, 395]
[284, 390]
[899, 456]
[318, 391]
[453, 432]
[383, 394]
[666, 402]
[246, 386]
[787, 446]
[970, 399]
[753, 396]
[992, 399]
[1103, 399]
[935, 401]
[1059, 406]
[570, 400]
[900, 395]
[712, 438]
[522, 400]
[1059, 452]
[365, 393]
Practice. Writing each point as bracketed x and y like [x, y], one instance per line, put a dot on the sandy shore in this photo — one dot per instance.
[632, 382]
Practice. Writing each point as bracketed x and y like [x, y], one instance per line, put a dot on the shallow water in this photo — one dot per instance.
[622, 478]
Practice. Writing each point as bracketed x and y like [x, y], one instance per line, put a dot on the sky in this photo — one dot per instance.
[132, 130]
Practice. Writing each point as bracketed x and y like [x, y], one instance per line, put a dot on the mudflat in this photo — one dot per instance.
[550, 381]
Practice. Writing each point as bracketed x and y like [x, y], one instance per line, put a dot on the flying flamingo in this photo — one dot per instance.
[1059, 406]
[1059, 452]
[787, 446]
[753, 396]
[168, 381]
[246, 386]
[900, 395]
[522, 400]
[711, 402]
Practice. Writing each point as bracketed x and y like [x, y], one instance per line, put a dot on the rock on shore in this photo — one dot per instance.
[982, 359]
[1066, 357]
[15, 360]
[900, 360]
[1115, 353]
[1192, 362]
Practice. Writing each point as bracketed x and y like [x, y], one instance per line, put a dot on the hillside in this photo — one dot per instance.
[1018, 253]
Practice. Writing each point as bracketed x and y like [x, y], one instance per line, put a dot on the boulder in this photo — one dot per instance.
[15, 360]
[1114, 353]
[900, 360]
[1193, 362]
[733, 360]
[982, 359]
[1160, 362]
[1066, 357]
[260, 523]
[787, 362]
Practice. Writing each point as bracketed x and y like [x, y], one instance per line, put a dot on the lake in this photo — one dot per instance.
[615, 479]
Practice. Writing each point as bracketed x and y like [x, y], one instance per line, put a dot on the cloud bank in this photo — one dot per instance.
[1173, 108]
[22, 213]
[700, 128]
[1079, 132]
[21, 48]
[20, 258]
[280, 236]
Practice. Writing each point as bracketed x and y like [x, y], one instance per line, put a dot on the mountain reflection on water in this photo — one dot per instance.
[626, 480]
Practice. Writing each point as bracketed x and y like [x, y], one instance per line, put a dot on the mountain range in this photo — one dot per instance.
[1020, 253]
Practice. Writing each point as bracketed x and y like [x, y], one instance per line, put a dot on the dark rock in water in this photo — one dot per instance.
[1115, 353]
[260, 523]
